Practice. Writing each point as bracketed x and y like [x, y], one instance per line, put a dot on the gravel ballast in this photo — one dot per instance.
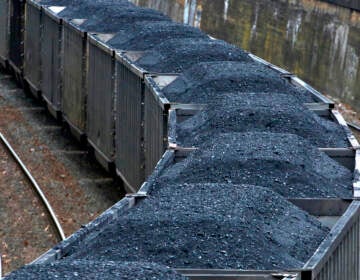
[210, 226]
[254, 112]
[207, 80]
[108, 270]
[177, 55]
[147, 35]
[286, 163]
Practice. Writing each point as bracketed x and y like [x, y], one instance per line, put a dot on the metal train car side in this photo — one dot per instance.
[51, 58]
[16, 38]
[74, 77]
[129, 123]
[4, 32]
[100, 124]
[12, 16]
[32, 47]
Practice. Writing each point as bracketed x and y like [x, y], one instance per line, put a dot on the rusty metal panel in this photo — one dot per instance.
[17, 16]
[4, 31]
[156, 130]
[101, 98]
[51, 57]
[74, 77]
[129, 127]
[32, 42]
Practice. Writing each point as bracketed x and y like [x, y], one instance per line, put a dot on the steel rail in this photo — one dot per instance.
[353, 125]
[36, 187]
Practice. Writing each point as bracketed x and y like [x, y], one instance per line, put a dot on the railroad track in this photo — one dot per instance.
[36, 187]
[29, 219]
[29, 224]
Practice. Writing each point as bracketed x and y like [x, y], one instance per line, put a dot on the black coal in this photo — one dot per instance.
[177, 55]
[210, 226]
[205, 81]
[147, 35]
[286, 163]
[98, 9]
[115, 21]
[256, 112]
[109, 270]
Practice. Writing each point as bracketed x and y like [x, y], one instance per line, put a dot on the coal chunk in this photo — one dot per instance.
[207, 80]
[256, 112]
[210, 226]
[177, 55]
[147, 35]
[285, 163]
[81, 269]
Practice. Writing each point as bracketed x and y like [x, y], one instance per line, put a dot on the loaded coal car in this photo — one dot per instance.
[255, 96]
[100, 121]
[38, 26]
[45, 81]
[68, 49]
[138, 37]
[76, 59]
[48, 79]
[174, 56]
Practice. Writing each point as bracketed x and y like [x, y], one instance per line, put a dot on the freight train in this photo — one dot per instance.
[235, 168]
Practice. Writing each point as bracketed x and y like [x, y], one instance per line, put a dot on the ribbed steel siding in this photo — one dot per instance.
[344, 264]
[74, 74]
[129, 130]
[100, 102]
[338, 258]
[17, 10]
[32, 62]
[51, 51]
[155, 125]
[4, 31]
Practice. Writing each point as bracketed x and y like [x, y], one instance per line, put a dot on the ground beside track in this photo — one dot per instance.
[75, 185]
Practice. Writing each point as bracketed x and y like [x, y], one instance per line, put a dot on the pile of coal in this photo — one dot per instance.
[256, 112]
[147, 35]
[208, 80]
[209, 226]
[177, 55]
[109, 270]
[122, 20]
[285, 163]
[86, 9]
